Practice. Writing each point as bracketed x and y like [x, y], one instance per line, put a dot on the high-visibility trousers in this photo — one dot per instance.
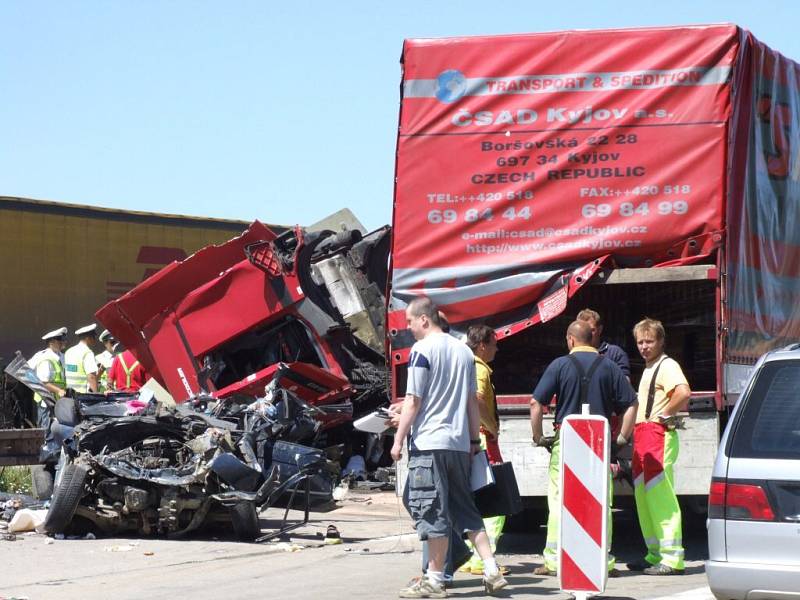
[655, 450]
[493, 525]
[554, 512]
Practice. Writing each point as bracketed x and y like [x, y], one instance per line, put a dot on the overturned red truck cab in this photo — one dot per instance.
[223, 321]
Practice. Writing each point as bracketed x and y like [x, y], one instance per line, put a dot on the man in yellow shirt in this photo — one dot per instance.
[663, 391]
[482, 340]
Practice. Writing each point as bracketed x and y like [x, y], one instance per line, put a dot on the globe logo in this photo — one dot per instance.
[450, 86]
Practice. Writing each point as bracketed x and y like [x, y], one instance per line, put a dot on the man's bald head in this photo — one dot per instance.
[581, 332]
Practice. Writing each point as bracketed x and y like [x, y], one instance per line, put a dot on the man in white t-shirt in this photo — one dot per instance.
[440, 412]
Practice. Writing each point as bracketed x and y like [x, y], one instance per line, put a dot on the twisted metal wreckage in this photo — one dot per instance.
[270, 345]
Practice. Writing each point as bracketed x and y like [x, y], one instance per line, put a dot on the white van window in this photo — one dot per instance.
[768, 425]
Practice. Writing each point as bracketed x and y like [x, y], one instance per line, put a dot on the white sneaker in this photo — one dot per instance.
[494, 583]
[424, 588]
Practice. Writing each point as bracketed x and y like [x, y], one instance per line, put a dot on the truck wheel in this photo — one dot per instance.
[41, 482]
[245, 521]
[66, 498]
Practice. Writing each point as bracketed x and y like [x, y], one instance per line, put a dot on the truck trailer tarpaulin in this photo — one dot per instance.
[525, 163]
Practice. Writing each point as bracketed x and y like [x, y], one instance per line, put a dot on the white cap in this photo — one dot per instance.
[56, 333]
[105, 335]
[88, 329]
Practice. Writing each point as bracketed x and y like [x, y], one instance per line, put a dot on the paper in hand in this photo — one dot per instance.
[480, 474]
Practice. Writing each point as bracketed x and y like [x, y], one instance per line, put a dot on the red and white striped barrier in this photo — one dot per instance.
[583, 543]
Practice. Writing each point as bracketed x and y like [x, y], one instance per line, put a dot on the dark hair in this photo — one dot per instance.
[443, 322]
[479, 334]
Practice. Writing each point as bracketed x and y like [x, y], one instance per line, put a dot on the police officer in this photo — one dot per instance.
[80, 363]
[581, 377]
[49, 367]
[105, 358]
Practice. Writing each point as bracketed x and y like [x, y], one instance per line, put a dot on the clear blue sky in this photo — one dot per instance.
[281, 111]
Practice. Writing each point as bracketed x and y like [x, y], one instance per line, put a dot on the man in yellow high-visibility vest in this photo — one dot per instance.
[80, 363]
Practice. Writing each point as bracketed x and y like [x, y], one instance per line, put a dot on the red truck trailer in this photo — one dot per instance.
[639, 172]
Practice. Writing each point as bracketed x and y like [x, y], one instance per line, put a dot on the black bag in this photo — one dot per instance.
[501, 498]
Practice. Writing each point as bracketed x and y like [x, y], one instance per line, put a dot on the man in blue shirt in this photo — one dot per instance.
[611, 351]
[581, 376]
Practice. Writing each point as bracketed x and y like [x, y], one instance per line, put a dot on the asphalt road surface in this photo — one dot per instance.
[378, 556]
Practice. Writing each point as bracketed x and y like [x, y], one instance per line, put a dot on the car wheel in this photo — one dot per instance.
[65, 498]
[41, 482]
[245, 521]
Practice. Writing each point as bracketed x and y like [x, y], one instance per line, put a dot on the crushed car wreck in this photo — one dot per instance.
[170, 471]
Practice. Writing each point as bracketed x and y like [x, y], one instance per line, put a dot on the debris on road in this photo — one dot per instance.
[119, 548]
[332, 536]
[26, 520]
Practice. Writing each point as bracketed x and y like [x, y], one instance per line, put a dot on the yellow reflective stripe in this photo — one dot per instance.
[58, 372]
[128, 372]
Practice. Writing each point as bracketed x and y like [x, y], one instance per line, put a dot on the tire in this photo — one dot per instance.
[41, 482]
[244, 518]
[67, 411]
[66, 498]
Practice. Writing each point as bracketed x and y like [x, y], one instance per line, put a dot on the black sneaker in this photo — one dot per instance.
[662, 569]
[639, 565]
[332, 535]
